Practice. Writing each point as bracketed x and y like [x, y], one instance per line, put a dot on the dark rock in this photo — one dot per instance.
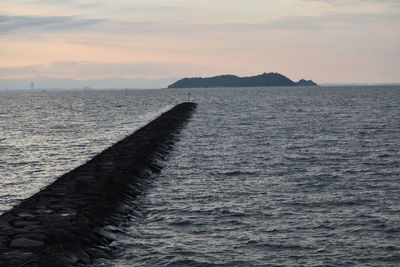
[25, 215]
[62, 224]
[4, 225]
[80, 254]
[33, 235]
[25, 223]
[25, 243]
[97, 253]
[55, 260]
[44, 210]
[16, 254]
[34, 228]
[62, 235]
[26, 230]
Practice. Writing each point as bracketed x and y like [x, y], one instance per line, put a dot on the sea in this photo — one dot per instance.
[299, 176]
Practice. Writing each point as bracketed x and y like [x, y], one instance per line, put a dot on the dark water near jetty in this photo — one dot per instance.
[260, 177]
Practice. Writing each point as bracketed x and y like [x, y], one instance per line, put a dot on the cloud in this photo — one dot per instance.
[332, 20]
[14, 24]
[357, 2]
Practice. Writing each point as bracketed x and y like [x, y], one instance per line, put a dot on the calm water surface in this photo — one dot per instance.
[260, 177]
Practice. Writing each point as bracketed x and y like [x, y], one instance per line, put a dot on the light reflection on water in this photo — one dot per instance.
[260, 177]
[276, 177]
[45, 134]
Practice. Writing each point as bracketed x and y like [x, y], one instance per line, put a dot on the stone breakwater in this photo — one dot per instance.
[70, 222]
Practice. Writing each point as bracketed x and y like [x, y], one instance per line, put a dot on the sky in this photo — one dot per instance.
[329, 41]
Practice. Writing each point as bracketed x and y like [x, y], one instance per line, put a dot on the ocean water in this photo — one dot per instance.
[260, 176]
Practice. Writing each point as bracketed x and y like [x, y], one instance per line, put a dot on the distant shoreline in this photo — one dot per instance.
[49, 90]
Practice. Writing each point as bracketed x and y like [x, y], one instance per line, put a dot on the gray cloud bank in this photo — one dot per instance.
[16, 24]
[9, 24]
[332, 20]
[357, 2]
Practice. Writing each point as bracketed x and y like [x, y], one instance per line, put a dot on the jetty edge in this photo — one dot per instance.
[70, 222]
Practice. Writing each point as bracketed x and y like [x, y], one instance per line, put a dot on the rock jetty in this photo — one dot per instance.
[70, 222]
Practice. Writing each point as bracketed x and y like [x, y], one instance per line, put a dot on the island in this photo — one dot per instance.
[263, 80]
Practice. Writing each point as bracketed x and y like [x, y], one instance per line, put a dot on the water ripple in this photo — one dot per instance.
[260, 177]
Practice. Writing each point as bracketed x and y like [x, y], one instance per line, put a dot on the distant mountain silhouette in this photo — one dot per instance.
[68, 83]
[263, 80]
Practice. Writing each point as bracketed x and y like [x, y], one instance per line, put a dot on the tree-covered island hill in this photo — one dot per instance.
[263, 80]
